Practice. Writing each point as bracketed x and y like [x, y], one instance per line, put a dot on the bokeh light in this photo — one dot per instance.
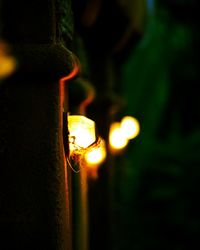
[96, 155]
[130, 127]
[117, 140]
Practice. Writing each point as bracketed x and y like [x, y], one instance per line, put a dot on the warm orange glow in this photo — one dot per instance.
[81, 132]
[96, 155]
[117, 140]
[7, 62]
[71, 75]
[130, 127]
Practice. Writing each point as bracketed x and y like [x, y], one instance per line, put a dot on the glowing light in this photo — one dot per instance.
[7, 62]
[81, 132]
[130, 127]
[96, 155]
[117, 140]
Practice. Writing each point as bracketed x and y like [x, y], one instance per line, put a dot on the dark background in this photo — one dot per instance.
[140, 58]
[153, 67]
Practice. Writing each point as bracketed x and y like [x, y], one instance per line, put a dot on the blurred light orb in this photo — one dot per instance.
[8, 62]
[117, 140]
[130, 127]
[96, 155]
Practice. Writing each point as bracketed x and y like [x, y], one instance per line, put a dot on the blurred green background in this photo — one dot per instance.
[142, 58]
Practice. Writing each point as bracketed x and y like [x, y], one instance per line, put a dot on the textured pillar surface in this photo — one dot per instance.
[34, 202]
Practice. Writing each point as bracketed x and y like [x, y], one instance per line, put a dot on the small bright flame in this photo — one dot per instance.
[96, 155]
[116, 137]
[81, 131]
[130, 127]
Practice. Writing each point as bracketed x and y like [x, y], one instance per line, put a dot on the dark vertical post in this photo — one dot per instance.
[34, 192]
